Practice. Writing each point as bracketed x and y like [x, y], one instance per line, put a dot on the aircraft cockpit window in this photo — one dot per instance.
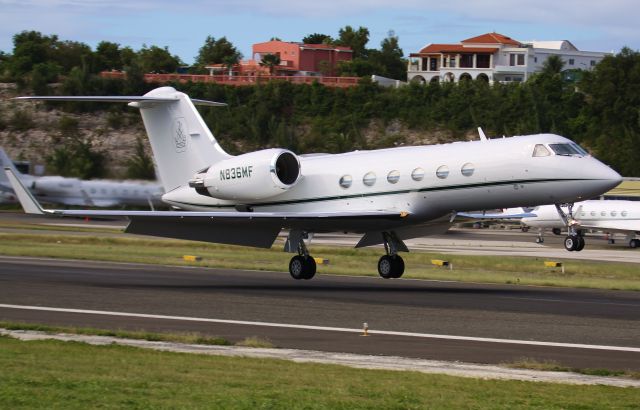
[566, 149]
[541, 151]
[345, 181]
[580, 150]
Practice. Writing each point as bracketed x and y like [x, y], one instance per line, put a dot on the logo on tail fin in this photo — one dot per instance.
[180, 135]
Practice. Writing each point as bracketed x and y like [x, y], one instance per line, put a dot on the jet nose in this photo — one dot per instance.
[603, 177]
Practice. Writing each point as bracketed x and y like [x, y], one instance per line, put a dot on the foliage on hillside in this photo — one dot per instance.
[601, 111]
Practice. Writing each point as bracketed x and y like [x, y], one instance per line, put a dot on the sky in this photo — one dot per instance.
[184, 26]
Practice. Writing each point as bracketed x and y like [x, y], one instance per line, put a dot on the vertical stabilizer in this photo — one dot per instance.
[182, 144]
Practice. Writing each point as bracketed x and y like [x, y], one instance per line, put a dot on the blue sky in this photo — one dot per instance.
[183, 26]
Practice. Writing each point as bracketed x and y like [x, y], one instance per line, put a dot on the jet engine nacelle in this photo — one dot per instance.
[256, 175]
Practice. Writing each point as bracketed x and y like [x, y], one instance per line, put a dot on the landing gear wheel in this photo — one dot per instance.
[571, 242]
[539, 240]
[556, 231]
[581, 243]
[390, 266]
[302, 267]
[634, 243]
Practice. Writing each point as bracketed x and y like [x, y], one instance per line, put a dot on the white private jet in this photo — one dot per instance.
[386, 195]
[73, 191]
[602, 215]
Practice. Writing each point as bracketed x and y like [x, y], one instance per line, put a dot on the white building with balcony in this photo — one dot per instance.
[494, 57]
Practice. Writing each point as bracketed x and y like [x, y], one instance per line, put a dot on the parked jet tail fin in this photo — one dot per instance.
[182, 143]
[28, 202]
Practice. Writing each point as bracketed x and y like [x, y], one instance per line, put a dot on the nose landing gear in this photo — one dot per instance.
[574, 241]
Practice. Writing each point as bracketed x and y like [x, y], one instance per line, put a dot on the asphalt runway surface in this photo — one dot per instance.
[466, 322]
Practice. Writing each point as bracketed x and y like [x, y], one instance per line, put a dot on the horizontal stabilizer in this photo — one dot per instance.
[120, 99]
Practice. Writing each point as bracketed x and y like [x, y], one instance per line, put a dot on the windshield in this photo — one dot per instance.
[567, 149]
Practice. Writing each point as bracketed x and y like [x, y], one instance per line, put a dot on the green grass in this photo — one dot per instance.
[343, 261]
[52, 374]
[553, 366]
[188, 338]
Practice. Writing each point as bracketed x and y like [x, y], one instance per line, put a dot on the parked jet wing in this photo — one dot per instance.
[258, 229]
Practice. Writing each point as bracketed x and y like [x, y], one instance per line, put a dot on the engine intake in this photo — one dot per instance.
[253, 176]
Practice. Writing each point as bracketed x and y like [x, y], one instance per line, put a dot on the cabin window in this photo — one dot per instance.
[603, 213]
[345, 181]
[369, 179]
[468, 169]
[442, 172]
[417, 174]
[593, 213]
[624, 213]
[540, 151]
[393, 177]
[614, 213]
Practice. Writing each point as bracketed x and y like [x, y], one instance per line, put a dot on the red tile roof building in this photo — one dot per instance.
[493, 57]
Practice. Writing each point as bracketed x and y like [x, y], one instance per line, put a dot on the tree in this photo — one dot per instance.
[108, 56]
[31, 48]
[216, 51]
[270, 61]
[552, 65]
[356, 40]
[317, 38]
[140, 166]
[389, 58]
[159, 60]
[70, 54]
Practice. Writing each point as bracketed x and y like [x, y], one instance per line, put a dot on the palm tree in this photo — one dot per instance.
[270, 61]
[553, 65]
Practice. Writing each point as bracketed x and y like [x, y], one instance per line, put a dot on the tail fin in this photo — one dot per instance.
[182, 143]
[5, 162]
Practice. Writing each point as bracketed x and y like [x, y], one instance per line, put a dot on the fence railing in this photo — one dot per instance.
[238, 79]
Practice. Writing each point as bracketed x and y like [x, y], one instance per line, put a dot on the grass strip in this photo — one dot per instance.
[343, 261]
[54, 374]
[553, 366]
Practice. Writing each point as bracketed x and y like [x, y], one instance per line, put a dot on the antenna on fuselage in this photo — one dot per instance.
[482, 136]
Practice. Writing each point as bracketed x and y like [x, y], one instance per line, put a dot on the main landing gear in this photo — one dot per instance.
[301, 266]
[574, 241]
[391, 265]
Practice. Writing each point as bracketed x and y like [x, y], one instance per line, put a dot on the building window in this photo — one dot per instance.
[535, 59]
[433, 64]
[516, 59]
[393, 177]
[345, 181]
[571, 61]
[466, 61]
[442, 172]
[483, 61]
[593, 63]
[417, 174]
[369, 179]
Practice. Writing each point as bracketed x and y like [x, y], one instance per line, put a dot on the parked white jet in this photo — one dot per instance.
[606, 215]
[73, 191]
[386, 195]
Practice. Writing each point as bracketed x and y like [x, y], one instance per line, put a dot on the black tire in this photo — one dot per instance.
[398, 266]
[296, 267]
[581, 243]
[634, 243]
[310, 268]
[385, 267]
[571, 242]
[556, 231]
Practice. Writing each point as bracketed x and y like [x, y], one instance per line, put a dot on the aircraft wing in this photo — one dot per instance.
[123, 99]
[258, 229]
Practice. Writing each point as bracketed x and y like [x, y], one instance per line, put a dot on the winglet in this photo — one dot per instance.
[28, 202]
[482, 136]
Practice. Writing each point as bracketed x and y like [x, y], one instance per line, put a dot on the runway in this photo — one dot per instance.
[423, 319]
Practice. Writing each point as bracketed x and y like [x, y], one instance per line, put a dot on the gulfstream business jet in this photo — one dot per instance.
[386, 195]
